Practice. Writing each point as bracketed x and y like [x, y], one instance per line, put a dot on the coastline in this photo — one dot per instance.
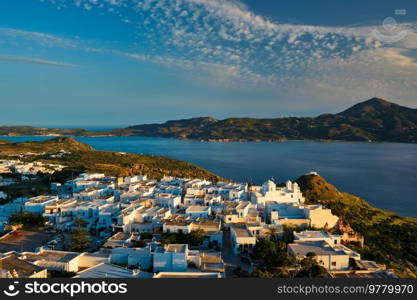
[226, 140]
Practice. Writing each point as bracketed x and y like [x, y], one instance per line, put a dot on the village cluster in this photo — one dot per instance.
[127, 218]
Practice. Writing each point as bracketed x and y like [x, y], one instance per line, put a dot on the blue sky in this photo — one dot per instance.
[124, 62]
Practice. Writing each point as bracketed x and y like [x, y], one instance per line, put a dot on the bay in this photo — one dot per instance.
[384, 174]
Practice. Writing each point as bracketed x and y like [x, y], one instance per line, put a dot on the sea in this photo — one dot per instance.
[384, 174]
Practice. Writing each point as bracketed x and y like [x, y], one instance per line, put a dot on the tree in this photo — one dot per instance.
[27, 219]
[262, 274]
[317, 271]
[264, 248]
[311, 255]
[80, 240]
[272, 233]
[139, 244]
[80, 223]
[196, 237]
[146, 235]
[311, 269]
[282, 246]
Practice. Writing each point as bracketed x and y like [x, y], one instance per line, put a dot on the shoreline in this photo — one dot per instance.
[215, 140]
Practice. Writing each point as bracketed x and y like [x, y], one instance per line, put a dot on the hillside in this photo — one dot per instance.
[371, 120]
[83, 158]
[52, 145]
[34, 131]
[389, 238]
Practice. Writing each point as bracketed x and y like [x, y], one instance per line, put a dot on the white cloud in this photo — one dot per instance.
[221, 39]
[31, 60]
[41, 38]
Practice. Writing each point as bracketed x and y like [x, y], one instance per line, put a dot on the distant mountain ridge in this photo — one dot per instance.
[374, 120]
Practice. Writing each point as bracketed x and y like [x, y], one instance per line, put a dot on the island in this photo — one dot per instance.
[67, 210]
[374, 120]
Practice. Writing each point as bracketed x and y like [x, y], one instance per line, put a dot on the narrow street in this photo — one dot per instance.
[231, 260]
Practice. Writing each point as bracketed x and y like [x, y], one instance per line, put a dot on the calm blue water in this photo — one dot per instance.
[385, 174]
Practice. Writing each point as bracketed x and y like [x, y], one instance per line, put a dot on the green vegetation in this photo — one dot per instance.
[35, 187]
[372, 120]
[117, 164]
[50, 146]
[274, 260]
[389, 238]
[27, 220]
[33, 131]
[80, 240]
[311, 269]
[194, 238]
[139, 244]
[85, 159]
[146, 235]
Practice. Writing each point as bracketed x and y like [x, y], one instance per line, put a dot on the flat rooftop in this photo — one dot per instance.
[23, 268]
[177, 220]
[242, 231]
[55, 256]
[178, 248]
[120, 236]
[311, 234]
[106, 270]
[197, 208]
[319, 248]
[41, 199]
[187, 275]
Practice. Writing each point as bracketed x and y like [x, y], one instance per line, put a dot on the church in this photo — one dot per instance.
[269, 191]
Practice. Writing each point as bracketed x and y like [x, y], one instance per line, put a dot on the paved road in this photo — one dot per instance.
[231, 261]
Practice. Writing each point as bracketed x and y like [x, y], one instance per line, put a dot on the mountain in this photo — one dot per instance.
[389, 238]
[372, 120]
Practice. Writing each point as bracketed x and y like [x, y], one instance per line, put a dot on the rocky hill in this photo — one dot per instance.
[372, 120]
[389, 238]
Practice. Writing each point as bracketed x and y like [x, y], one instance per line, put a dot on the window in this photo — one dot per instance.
[333, 264]
[335, 241]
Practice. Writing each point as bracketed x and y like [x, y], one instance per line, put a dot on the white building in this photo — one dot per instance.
[269, 191]
[132, 257]
[325, 255]
[54, 260]
[241, 239]
[167, 200]
[171, 259]
[177, 224]
[37, 204]
[326, 248]
[300, 215]
[316, 236]
[198, 211]
[106, 270]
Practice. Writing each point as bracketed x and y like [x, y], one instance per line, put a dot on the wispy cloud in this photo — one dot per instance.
[31, 60]
[223, 41]
[38, 37]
